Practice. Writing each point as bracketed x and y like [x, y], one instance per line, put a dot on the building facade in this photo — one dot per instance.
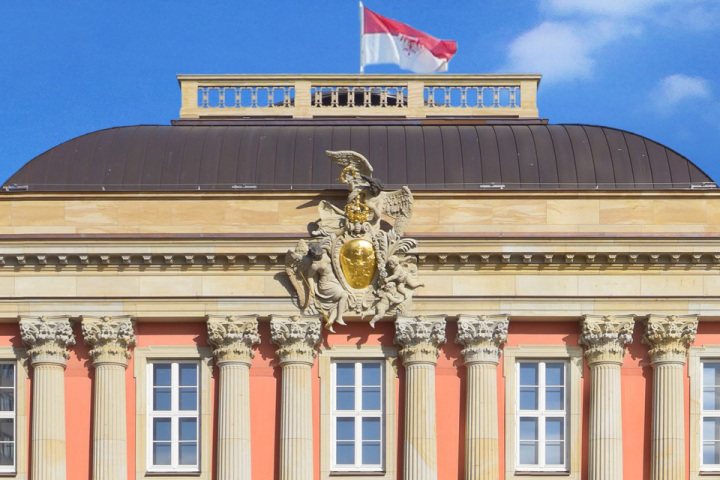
[366, 277]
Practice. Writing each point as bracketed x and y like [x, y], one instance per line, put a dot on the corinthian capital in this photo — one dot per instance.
[111, 338]
[606, 336]
[481, 337]
[420, 337]
[669, 336]
[233, 337]
[297, 337]
[47, 338]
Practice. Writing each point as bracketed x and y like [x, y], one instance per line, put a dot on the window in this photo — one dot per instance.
[542, 411]
[174, 416]
[704, 373]
[173, 412]
[13, 412]
[358, 402]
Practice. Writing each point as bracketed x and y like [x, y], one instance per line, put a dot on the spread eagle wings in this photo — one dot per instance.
[397, 204]
[348, 158]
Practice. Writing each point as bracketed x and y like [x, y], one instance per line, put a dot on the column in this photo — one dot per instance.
[297, 338]
[482, 337]
[420, 339]
[669, 337]
[47, 340]
[605, 338]
[111, 339]
[233, 339]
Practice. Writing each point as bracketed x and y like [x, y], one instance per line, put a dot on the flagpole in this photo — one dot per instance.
[362, 30]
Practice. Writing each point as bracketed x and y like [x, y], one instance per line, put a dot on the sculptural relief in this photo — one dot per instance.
[356, 264]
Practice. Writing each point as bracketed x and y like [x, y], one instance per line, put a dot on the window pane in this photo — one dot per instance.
[371, 398]
[554, 429]
[161, 399]
[528, 374]
[371, 374]
[161, 374]
[554, 398]
[555, 374]
[528, 453]
[345, 373]
[371, 429]
[7, 375]
[188, 399]
[711, 398]
[528, 428]
[345, 429]
[7, 454]
[345, 453]
[528, 398]
[188, 374]
[161, 454]
[161, 429]
[554, 453]
[711, 453]
[371, 453]
[345, 398]
[7, 399]
[188, 453]
[711, 429]
[188, 429]
[711, 373]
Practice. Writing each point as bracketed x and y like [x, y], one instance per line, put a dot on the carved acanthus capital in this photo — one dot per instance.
[47, 338]
[605, 337]
[233, 337]
[420, 338]
[669, 336]
[482, 337]
[111, 337]
[297, 337]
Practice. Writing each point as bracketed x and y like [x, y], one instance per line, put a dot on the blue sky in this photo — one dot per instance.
[68, 68]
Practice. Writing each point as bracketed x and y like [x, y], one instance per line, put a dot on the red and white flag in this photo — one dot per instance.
[385, 40]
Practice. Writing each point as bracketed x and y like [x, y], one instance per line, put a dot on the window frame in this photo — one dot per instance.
[355, 353]
[18, 358]
[143, 358]
[573, 359]
[696, 357]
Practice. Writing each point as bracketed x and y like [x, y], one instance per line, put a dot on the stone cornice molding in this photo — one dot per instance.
[420, 338]
[605, 337]
[233, 337]
[482, 337]
[47, 338]
[669, 337]
[111, 338]
[296, 336]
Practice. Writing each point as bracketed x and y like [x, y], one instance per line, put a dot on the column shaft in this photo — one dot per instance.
[420, 433]
[48, 422]
[296, 433]
[605, 449]
[668, 426]
[109, 423]
[481, 423]
[233, 457]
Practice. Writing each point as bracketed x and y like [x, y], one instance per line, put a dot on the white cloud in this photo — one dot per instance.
[674, 90]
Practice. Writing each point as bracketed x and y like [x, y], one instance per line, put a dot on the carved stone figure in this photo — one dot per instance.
[355, 263]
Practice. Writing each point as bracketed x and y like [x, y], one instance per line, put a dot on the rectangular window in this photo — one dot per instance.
[8, 418]
[357, 415]
[173, 416]
[542, 416]
[710, 416]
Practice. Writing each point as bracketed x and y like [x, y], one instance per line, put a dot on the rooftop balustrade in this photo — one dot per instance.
[396, 96]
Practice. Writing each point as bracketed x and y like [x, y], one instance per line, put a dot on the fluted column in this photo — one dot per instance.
[481, 337]
[420, 339]
[297, 339]
[233, 339]
[47, 340]
[605, 338]
[111, 339]
[669, 337]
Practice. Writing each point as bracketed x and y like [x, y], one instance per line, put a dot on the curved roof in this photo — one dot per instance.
[292, 157]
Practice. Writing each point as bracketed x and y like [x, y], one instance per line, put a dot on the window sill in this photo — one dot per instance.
[519, 475]
[358, 474]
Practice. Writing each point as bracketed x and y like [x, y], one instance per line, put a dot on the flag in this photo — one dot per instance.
[385, 40]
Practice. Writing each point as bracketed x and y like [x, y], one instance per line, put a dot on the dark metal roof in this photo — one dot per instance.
[292, 157]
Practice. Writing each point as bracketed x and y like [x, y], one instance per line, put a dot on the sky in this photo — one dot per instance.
[67, 68]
